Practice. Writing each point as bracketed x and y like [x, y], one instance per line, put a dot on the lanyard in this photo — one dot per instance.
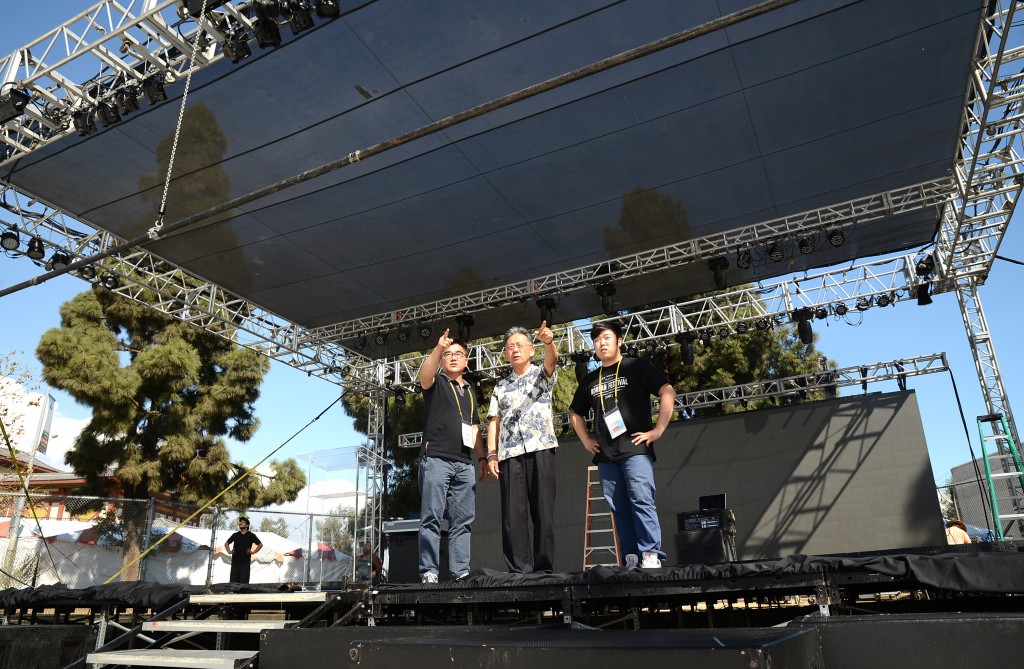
[458, 404]
[615, 389]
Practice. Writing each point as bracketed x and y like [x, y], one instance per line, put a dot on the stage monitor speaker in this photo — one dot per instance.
[710, 546]
[404, 552]
[539, 648]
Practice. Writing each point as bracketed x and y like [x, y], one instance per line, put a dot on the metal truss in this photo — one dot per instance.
[841, 217]
[989, 178]
[824, 381]
[839, 294]
[145, 278]
[106, 52]
[371, 469]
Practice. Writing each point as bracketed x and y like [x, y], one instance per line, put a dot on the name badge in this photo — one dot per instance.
[467, 435]
[613, 420]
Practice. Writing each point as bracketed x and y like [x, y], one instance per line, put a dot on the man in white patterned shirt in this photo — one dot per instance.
[521, 451]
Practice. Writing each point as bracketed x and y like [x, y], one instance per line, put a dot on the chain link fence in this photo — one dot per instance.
[82, 541]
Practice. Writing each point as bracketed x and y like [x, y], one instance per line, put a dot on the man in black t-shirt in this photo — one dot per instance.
[241, 546]
[447, 477]
[619, 394]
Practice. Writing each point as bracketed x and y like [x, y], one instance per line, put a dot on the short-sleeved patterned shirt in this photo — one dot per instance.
[523, 407]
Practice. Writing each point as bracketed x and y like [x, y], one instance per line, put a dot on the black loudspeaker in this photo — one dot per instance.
[404, 552]
[706, 537]
[44, 647]
[539, 648]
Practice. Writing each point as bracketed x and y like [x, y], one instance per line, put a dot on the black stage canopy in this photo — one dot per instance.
[810, 105]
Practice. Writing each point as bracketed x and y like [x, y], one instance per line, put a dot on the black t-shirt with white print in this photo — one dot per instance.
[636, 381]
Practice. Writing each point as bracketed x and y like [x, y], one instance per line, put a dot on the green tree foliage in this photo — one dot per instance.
[336, 529]
[164, 397]
[277, 525]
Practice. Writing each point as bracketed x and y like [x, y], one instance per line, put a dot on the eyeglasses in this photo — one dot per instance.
[453, 354]
[517, 347]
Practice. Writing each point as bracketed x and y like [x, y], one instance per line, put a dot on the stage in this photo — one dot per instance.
[799, 609]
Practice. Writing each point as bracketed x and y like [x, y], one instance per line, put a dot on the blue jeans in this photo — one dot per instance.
[452, 484]
[628, 487]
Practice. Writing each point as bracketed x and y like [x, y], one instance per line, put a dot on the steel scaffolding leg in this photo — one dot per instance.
[992, 388]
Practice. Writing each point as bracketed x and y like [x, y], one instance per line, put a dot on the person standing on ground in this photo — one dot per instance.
[241, 546]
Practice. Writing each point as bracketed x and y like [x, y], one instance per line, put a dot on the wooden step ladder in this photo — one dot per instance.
[600, 542]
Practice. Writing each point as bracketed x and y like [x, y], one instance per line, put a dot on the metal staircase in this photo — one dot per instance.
[204, 642]
[1004, 471]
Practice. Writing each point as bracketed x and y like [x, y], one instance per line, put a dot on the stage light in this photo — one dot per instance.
[267, 9]
[153, 90]
[743, 259]
[84, 122]
[465, 323]
[9, 240]
[88, 272]
[36, 250]
[925, 265]
[399, 396]
[718, 266]
[883, 300]
[742, 327]
[547, 309]
[806, 245]
[361, 341]
[763, 324]
[195, 7]
[580, 360]
[803, 318]
[723, 332]
[58, 261]
[821, 313]
[127, 100]
[108, 114]
[425, 330]
[685, 341]
[404, 333]
[236, 46]
[606, 290]
[111, 282]
[776, 253]
[632, 351]
[267, 33]
[301, 18]
[841, 309]
[381, 338]
[924, 295]
[328, 9]
[13, 104]
[705, 337]
[836, 236]
[863, 304]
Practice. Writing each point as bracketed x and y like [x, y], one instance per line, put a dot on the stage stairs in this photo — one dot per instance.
[1007, 499]
[223, 633]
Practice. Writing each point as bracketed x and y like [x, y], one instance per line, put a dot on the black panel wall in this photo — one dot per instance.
[840, 476]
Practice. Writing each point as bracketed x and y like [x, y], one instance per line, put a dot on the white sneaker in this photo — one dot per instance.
[650, 561]
[631, 561]
[430, 577]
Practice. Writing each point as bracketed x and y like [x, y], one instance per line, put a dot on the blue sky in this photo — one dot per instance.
[290, 399]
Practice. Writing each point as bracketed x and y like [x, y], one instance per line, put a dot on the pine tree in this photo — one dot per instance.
[164, 396]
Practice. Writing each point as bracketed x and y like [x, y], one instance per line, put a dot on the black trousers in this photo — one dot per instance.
[240, 570]
[528, 493]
